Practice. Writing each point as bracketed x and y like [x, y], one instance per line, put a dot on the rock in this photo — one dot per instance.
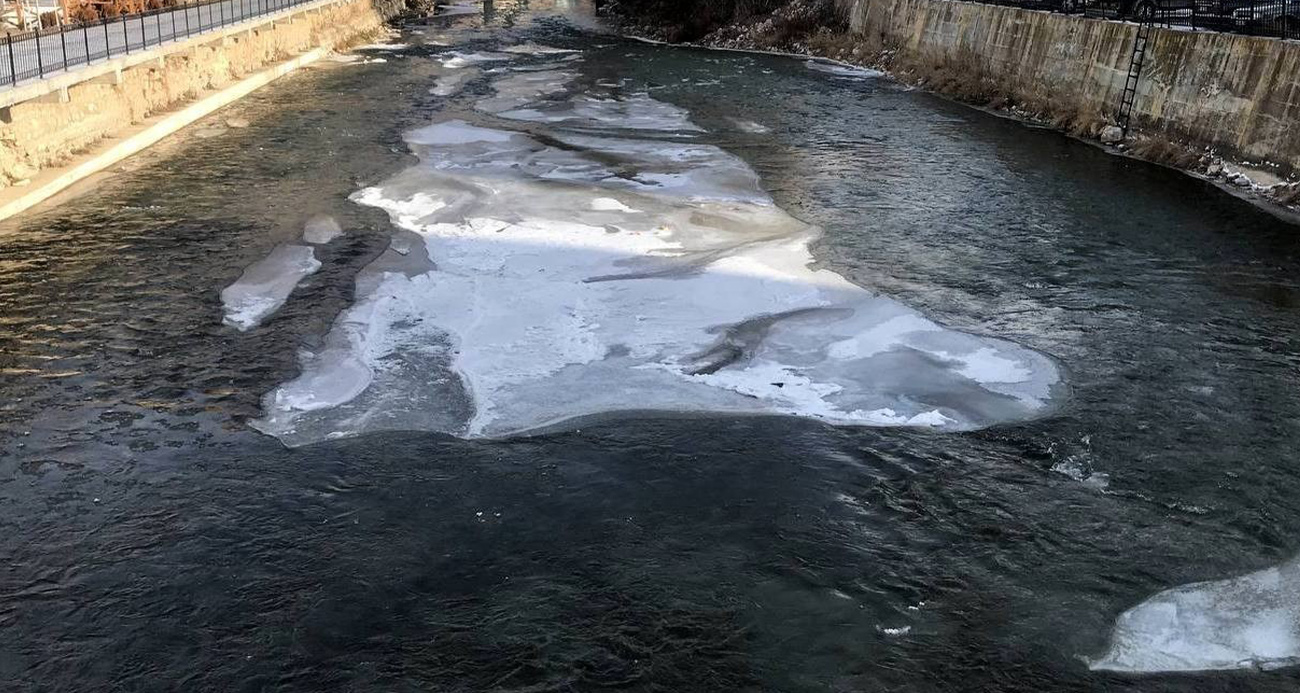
[1112, 134]
[21, 170]
[1239, 180]
[236, 122]
[1214, 169]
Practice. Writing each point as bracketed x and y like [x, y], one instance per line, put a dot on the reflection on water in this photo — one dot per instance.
[155, 541]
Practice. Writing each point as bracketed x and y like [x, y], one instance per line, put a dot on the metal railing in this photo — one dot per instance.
[1273, 18]
[38, 53]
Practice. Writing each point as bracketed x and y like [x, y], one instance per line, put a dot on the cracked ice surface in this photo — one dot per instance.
[614, 263]
[1246, 622]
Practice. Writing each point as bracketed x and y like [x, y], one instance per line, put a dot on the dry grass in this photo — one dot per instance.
[1163, 151]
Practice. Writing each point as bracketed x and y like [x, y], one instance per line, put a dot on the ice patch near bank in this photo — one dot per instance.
[1251, 621]
[602, 259]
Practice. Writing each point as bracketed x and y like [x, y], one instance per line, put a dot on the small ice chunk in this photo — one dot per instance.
[266, 285]
[536, 49]
[842, 70]
[321, 229]
[450, 85]
[750, 126]
[453, 132]
[382, 47]
[1246, 622]
[456, 59]
[609, 204]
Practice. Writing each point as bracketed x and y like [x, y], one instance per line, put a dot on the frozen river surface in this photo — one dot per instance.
[542, 360]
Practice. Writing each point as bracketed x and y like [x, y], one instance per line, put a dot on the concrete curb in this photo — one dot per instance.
[44, 189]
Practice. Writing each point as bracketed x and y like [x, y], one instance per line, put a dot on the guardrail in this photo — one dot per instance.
[1273, 18]
[38, 53]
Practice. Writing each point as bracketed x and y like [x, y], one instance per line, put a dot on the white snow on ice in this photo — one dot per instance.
[1246, 622]
[619, 265]
[265, 285]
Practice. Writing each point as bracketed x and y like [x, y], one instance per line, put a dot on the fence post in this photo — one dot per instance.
[108, 45]
[85, 40]
[40, 62]
[13, 71]
[144, 40]
[63, 42]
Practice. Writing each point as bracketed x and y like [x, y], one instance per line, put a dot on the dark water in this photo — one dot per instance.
[153, 542]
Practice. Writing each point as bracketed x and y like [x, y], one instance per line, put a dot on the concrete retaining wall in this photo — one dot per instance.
[1238, 94]
[71, 114]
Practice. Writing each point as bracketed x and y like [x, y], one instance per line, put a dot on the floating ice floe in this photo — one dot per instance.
[321, 229]
[451, 84]
[839, 70]
[750, 126]
[614, 264]
[265, 285]
[1252, 621]
[633, 112]
[383, 47]
[457, 59]
[519, 89]
[537, 49]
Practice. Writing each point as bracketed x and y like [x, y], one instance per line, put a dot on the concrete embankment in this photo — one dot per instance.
[1239, 95]
[1222, 105]
[56, 132]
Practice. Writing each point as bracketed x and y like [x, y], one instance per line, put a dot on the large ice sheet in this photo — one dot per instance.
[265, 285]
[613, 263]
[1252, 621]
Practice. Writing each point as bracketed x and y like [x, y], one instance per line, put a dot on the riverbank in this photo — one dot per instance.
[1217, 106]
[92, 119]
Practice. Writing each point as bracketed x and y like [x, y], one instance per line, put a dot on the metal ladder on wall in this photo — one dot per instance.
[1134, 72]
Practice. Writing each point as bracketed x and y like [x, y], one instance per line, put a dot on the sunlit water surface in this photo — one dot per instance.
[156, 541]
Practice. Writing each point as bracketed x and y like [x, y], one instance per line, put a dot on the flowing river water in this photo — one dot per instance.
[517, 356]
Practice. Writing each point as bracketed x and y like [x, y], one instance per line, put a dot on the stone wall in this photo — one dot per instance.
[1238, 94]
[68, 120]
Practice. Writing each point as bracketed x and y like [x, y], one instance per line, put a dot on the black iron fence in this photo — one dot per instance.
[1275, 18]
[35, 54]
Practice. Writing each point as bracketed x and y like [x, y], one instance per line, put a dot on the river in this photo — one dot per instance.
[516, 356]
